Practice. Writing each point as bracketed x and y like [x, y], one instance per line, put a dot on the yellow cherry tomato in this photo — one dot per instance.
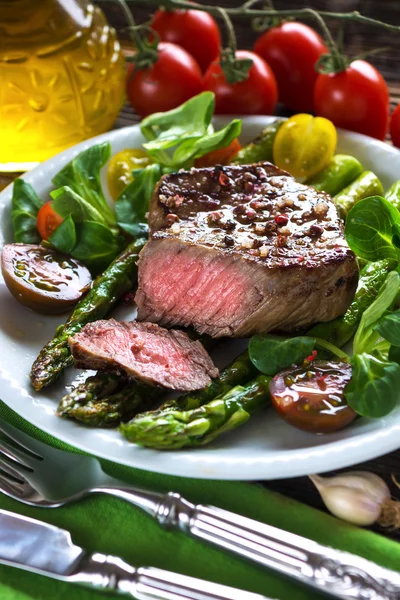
[304, 145]
[120, 167]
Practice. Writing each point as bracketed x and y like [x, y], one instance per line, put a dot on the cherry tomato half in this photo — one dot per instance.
[47, 220]
[257, 95]
[312, 397]
[395, 126]
[304, 145]
[42, 279]
[120, 167]
[171, 80]
[291, 50]
[223, 156]
[355, 99]
[194, 30]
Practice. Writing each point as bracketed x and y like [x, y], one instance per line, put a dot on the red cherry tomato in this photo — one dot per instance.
[169, 82]
[291, 50]
[395, 126]
[47, 220]
[257, 95]
[312, 397]
[223, 156]
[194, 30]
[355, 99]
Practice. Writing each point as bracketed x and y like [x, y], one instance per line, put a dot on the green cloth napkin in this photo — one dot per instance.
[110, 526]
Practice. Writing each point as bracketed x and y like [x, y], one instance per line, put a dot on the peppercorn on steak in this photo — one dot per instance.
[239, 250]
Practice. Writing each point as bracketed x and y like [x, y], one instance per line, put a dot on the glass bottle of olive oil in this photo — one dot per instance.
[61, 78]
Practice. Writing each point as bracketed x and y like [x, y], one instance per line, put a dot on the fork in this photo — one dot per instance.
[39, 475]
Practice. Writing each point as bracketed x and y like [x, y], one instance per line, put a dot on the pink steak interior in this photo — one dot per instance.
[195, 287]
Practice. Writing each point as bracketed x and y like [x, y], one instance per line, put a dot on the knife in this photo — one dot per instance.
[47, 550]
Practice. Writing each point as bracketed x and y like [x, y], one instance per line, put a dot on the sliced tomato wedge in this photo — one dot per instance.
[48, 220]
[223, 156]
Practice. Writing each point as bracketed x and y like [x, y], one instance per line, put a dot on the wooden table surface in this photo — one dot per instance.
[358, 39]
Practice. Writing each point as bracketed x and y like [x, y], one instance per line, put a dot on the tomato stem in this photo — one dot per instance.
[264, 23]
[246, 10]
[320, 343]
[144, 39]
[237, 70]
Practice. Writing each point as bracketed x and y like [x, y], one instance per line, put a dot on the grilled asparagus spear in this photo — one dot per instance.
[259, 149]
[199, 426]
[366, 184]
[393, 194]
[238, 372]
[340, 330]
[117, 279]
[340, 172]
[106, 399]
[86, 399]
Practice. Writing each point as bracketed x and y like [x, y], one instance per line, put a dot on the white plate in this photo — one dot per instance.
[264, 448]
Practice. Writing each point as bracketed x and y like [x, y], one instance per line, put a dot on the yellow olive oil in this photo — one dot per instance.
[62, 78]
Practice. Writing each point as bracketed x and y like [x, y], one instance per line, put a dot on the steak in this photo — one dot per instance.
[245, 249]
[145, 352]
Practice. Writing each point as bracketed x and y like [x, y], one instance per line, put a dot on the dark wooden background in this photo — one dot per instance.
[358, 40]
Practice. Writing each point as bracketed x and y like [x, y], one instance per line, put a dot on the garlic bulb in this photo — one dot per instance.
[357, 497]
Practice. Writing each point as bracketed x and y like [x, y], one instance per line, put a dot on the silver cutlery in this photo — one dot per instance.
[39, 475]
[47, 550]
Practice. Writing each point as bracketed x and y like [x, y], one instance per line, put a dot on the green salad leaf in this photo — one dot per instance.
[133, 203]
[272, 353]
[82, 176]
[187, 121]
[373, 388]
[394, 354]
[96, 245]
[67, 202]
[207, 143]
[367, 334]
[89, 231]
[388, 327]
[176, 137]
[63, 238]
[372, 229]
[93, 243]
[25, 205]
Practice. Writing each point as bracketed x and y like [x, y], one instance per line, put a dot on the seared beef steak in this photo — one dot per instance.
[145, 352]
[239, 250]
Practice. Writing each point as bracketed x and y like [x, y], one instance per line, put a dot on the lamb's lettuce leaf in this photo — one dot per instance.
[372, 229]
[63, 238]
[388, 327]
[93, 243]
[67, 202]
[133, 203]
[176, 137]
[373, 388]
[367, 335]
[272, 353]
[25, 205]
[82, 176]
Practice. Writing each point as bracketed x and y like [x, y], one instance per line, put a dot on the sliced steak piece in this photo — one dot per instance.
[145, 352]
[239, 250]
